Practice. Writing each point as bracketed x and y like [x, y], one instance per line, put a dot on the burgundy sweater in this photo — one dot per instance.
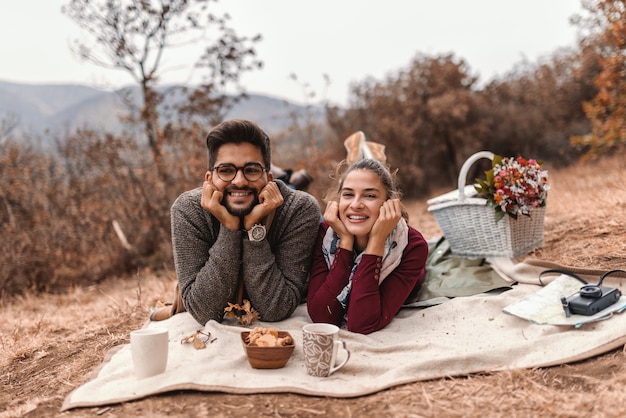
[371, 307]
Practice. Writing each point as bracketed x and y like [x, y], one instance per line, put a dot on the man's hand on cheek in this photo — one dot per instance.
[269, 199]
[211, 201]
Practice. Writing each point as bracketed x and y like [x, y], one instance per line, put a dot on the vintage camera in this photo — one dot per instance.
[591, 299]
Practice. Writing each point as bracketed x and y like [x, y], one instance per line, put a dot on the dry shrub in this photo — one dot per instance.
[58, 210]
[432, 114]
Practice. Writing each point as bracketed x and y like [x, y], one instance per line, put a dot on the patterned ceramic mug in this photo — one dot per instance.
[320, 343]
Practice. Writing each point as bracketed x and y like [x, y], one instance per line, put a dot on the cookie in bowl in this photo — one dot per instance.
[267, 348]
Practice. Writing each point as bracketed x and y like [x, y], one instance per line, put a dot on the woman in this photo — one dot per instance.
[367, 260]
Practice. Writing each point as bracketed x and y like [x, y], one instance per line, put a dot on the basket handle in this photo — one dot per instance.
[465, 169]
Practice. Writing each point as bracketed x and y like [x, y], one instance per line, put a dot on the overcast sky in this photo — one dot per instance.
[348, 40]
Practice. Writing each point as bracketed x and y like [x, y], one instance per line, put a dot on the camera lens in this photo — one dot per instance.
[590, 291]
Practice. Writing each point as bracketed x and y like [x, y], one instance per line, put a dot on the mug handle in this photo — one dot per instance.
[339, 344]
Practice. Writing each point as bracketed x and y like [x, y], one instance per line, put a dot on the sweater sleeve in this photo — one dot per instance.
[371, 306]
[206, 259]
[276, 270]
[326, 283]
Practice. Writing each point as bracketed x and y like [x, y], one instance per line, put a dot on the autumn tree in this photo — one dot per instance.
[534, 109]
[426, 115]
[605, 27]
[134, 35]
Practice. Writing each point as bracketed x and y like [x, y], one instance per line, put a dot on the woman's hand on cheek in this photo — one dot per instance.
[331, 216]
[388, 217]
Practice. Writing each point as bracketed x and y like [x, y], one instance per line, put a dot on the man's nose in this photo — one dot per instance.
[239, 177]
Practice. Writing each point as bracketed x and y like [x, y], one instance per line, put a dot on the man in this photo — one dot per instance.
[242, 235]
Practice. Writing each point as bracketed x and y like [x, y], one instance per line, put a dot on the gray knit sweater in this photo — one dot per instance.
[275, 271]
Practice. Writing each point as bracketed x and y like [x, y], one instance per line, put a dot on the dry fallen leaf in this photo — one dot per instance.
[196, 338]
[245, 315]
[198, 344]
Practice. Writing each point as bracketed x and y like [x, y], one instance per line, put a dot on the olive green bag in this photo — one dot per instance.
[449, 276]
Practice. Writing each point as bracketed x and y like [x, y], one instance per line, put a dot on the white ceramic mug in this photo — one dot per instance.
[320, 343]
[149, 348]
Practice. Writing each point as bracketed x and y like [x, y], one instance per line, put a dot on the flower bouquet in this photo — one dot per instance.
[472, 218]
[514, 186]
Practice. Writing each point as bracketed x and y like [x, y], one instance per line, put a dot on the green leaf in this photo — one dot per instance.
[490, 176]
[482, 187]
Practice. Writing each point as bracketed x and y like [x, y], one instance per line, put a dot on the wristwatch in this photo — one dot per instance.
[257, 233]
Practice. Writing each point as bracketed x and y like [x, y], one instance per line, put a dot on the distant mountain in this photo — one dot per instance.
[56, 109]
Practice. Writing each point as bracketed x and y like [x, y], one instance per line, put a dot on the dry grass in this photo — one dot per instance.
[49, 344]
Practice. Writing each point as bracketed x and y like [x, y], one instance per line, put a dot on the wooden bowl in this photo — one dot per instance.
[267, 357]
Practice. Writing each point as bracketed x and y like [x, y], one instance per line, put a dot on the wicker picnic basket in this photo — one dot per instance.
[470, 226]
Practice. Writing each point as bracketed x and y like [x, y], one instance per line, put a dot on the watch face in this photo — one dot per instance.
[257, 233]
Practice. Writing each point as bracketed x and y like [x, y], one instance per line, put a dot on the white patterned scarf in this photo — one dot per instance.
[395, 244]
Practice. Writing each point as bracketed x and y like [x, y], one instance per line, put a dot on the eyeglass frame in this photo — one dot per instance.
[237, 169]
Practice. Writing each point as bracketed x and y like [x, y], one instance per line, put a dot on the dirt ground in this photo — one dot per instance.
[50, 344]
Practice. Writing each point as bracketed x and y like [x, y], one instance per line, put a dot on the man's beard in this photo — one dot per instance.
[239, 211]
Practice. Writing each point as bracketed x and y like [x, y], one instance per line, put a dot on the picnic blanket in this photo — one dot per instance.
[458, 337]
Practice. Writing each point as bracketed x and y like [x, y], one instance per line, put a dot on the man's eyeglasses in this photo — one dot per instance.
[228, 172]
